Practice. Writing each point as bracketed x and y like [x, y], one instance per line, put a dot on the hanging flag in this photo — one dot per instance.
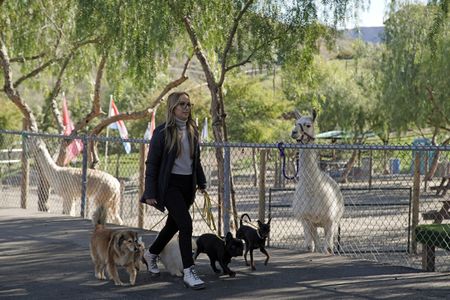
[151, 127]
[76, 146]
[204, 136]
[119, 125]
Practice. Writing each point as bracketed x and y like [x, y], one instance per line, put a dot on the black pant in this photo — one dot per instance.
[177, 200]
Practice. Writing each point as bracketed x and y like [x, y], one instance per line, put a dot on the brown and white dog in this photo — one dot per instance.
[110, 248]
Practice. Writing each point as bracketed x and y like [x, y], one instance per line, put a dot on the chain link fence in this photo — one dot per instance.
[389, 212]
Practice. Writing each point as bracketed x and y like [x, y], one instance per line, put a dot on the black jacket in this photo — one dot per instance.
[159, 166]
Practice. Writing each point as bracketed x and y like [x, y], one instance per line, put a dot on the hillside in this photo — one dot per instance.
[367, 34]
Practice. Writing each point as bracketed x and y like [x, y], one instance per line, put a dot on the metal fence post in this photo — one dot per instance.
[262, 185]
[370, 170]
[25, 171]
[84, 177]
[416, 197]
[142, 155]
[226, 191]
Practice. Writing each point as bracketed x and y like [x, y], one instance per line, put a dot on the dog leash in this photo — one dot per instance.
[251, 224]
[281, 148]
[158, 222]
[256, 228]
[206, 212]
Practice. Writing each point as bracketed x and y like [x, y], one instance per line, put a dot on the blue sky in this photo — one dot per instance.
[375, 15]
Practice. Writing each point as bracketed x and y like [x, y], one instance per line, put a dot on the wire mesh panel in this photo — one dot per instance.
[10, 170]
[375, 222]
[385, 192]
[115, 182]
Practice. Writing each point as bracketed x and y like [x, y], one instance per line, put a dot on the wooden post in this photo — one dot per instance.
[24, 187]
[142, 155]
[428, 258]
[262, 185]
[415, 201]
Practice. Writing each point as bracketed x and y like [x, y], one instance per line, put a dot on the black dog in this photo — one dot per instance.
[254, 238]
[219, 250]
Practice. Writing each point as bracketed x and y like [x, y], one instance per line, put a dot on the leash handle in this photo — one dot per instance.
[281, 148]
[208, 215]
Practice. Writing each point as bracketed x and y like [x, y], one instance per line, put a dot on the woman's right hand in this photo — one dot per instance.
[151, 202]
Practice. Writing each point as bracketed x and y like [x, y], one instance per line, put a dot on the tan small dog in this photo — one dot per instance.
[171, 256]
[110, 248]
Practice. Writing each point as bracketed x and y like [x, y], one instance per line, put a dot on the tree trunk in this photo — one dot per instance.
[218, 137]
[220, 187]
[349, 166]
[216, 116]
[225, 135]
[435, 161]
[433, 167]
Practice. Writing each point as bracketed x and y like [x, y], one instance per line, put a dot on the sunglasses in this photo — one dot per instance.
[185, 105]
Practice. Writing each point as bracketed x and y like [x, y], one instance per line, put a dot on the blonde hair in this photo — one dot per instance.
[171, 132]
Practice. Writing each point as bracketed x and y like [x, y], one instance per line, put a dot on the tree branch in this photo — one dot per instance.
[437, 107]
[58, 29]
[230, 40]
[211, 81]
[42, 67]
[11, 92]
[96, 108]
[446, 141]
[55, 92]
[147, 111]
[35, 71]
[173, 84]
[198, 52]
[256, 49]
[23, 59]
[243, 62]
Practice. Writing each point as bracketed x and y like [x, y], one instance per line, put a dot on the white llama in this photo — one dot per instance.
[318, 201]
[102, 188]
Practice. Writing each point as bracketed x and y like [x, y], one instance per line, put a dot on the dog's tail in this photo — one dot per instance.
[99, 217]
[242, 217]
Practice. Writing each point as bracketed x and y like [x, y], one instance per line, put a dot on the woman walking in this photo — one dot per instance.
[173, 173]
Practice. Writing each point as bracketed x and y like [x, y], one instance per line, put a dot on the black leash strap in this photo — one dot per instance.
[283, 156]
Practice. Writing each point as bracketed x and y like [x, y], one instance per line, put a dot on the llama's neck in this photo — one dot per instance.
[45, 161]
[308, 164]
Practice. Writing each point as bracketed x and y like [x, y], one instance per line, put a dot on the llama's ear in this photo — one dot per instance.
[314, 114]
[229, 236]
[297, 114]
[270, 219]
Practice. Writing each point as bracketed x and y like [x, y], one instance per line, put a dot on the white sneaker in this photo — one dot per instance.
[151, 261]
[192, 280]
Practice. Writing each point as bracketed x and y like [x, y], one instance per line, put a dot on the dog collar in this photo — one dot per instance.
[259, 235]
